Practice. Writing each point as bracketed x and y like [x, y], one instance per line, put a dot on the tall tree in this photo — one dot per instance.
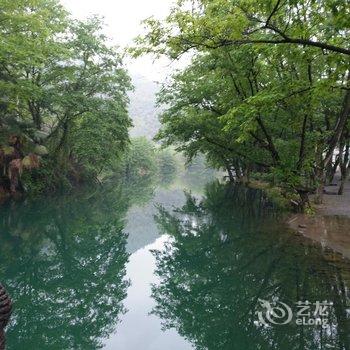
[64, 95]
[250, 103]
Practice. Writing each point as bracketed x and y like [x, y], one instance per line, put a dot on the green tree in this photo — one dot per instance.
[90, 98]
[209, 24]
[64, 95]
[265, 93]
[139, 161]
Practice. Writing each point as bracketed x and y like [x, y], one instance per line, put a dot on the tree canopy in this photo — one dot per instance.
[63, 94]
[267, 93]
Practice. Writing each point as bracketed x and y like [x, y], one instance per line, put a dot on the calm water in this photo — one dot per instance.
[133, 267]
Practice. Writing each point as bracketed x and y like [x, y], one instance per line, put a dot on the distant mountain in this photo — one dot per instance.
[142, 107]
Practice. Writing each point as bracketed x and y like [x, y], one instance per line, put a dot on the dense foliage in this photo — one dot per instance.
[63, 97]
[267, 94]
[143, 159]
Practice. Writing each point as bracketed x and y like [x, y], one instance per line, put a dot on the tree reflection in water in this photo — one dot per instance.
[228, 250]
[63, 261]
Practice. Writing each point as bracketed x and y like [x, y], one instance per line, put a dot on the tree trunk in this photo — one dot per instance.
[332, 169]
[230, 174]
[342, 182]
[320, 177]
[339, 128]
[304, 200]
[271, 146]
[344, 169]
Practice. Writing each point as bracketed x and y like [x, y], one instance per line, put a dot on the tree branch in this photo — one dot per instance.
[275, 9]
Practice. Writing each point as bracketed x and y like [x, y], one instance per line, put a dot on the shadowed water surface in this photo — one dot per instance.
[134, 267]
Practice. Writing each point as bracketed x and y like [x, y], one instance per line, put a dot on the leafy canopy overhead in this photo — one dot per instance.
[267, 93]
[218, 23]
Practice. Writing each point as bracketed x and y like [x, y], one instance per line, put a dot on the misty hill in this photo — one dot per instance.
[142, 107]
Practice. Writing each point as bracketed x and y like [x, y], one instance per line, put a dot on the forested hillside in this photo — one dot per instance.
[142, 109]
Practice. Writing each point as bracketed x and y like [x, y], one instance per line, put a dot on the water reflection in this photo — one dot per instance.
[63, 262]
[330, 231]
[66, 264]
[226, 251]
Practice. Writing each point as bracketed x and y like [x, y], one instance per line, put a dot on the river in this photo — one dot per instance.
[134, 266]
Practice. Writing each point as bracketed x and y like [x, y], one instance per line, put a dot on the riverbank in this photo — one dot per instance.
[330, 225]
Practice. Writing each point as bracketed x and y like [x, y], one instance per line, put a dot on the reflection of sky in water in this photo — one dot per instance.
[140, 225]
[138, 329]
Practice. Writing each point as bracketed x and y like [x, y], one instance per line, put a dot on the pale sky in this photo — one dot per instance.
[123, 18]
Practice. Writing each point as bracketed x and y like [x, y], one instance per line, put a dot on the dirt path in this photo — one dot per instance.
[334, 204]
[330, 226]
